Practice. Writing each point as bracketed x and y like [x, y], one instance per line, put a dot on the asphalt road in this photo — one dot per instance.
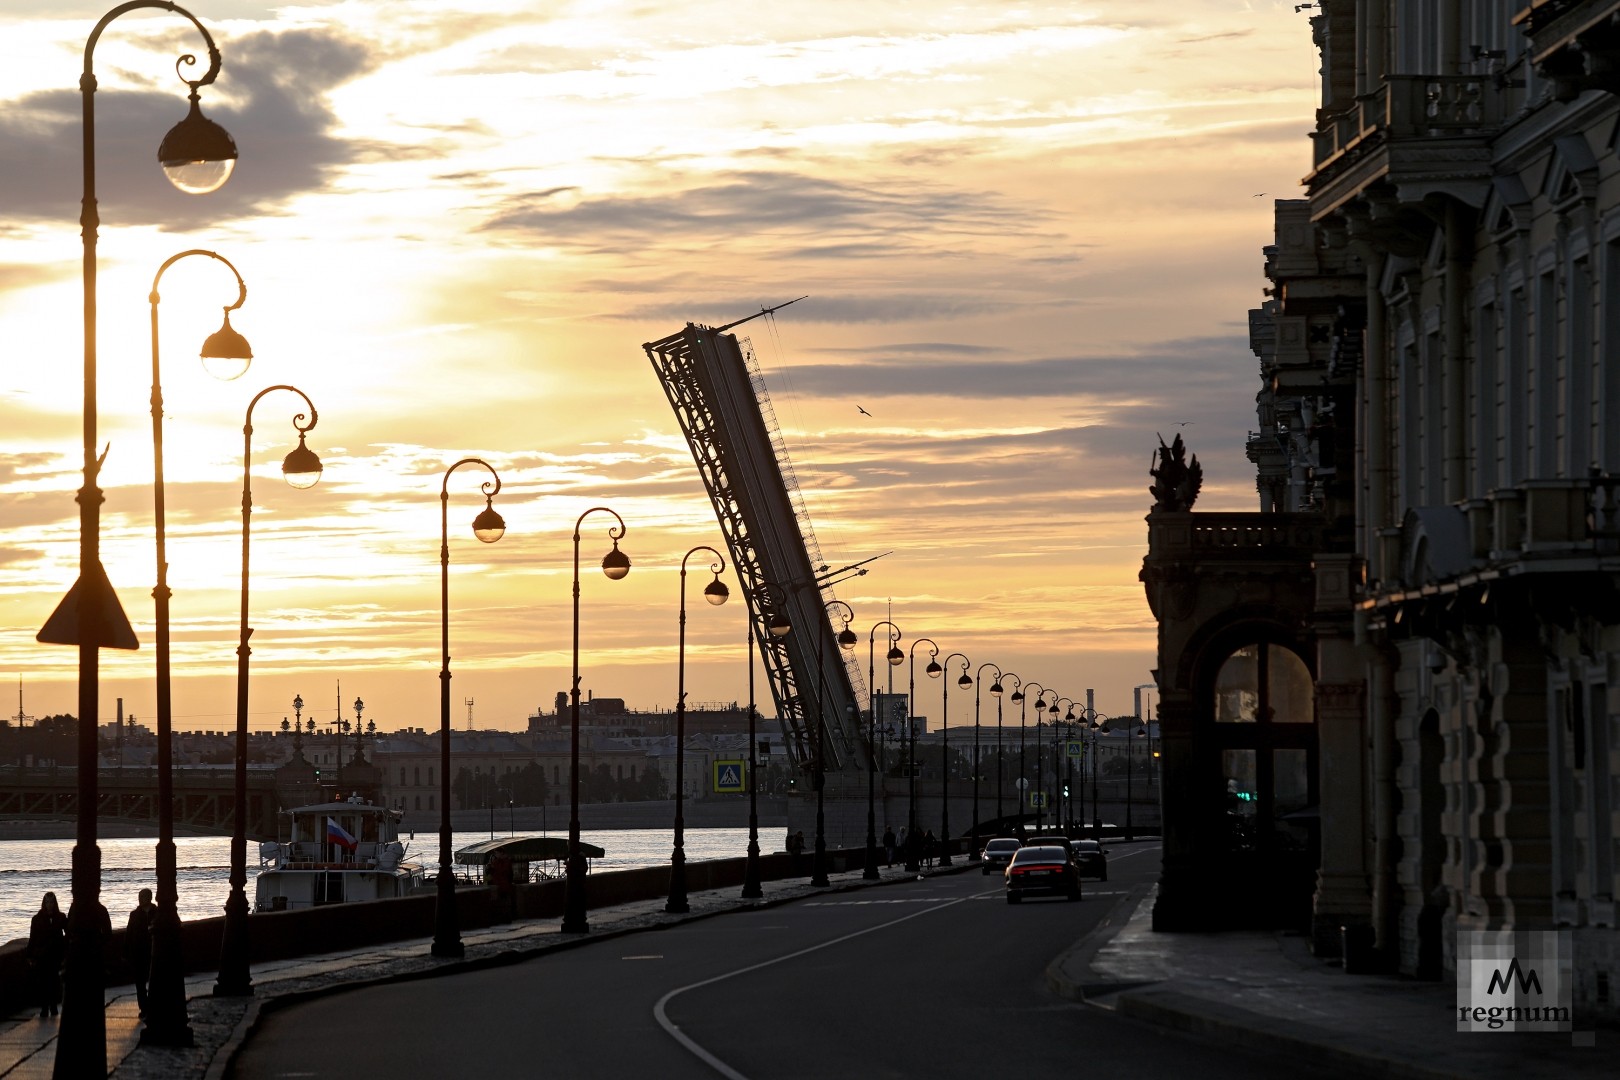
[937, 978]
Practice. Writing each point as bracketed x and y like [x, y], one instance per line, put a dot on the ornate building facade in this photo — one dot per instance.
[1435, 566]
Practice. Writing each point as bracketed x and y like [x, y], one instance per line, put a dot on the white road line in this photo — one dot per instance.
[661, 1014]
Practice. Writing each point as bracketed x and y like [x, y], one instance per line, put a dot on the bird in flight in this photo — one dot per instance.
[1257, 195]
[862, 411]
[1185, 423]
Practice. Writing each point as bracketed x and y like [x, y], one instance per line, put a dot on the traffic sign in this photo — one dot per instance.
[1037, 800]
[1077, 748]
[730, 778]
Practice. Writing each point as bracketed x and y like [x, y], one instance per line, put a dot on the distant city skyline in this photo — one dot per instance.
[1029, 238]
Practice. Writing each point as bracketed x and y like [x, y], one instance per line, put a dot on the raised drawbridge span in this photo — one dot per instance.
[715, 386]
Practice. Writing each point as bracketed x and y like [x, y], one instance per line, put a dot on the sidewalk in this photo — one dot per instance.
[219, 1025]
[1266, 992]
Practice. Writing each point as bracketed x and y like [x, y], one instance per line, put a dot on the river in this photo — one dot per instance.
[31, 868]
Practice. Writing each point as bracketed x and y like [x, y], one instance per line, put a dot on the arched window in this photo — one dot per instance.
[1265, 715]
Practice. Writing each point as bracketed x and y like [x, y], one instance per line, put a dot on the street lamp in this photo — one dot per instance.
[846, 641]
[995, 690]
[895, 657]
[488, 527]
[302, 469]
[166, 1018]
[933, 671]
[716, 593]
[1131, 734]
[1060, 786]
[90, 616]
[615, 564]
[1040, 809]
[777, 625]
[1021, 695]
[944, 755]
[1017, 698]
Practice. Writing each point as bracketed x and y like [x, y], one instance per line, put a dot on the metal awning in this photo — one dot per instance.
[525, 849]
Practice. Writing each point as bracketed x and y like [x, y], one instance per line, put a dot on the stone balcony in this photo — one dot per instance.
[1420, 134]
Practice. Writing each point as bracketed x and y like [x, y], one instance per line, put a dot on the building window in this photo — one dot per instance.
[1515, 389]
[417, 776]
[430, 802]
[402, 776]
[1578, 397]
[1485, 401]
[1544, 385]
[430, 780]
[419, 802]
[1609, 355]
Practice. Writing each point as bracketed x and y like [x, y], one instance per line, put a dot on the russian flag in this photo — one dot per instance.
[339, 835]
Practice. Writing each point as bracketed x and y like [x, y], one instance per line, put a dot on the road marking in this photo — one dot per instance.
[864, 903]
[661, 1013]
[648, 956]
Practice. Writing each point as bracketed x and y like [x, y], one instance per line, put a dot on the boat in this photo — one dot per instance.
[339, 852]
[518, 853]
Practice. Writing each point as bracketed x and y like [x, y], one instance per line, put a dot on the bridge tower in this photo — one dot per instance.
[717, 390]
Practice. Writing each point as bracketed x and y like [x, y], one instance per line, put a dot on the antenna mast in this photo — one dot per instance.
[469, 703]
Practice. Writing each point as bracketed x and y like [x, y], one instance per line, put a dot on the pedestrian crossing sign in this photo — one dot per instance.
[1077, 748]
[730, 777]
[1037, 800]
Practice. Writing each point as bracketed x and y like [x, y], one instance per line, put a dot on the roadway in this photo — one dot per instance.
[937, 978]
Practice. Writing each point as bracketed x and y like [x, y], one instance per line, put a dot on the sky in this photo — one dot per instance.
[1029, 235]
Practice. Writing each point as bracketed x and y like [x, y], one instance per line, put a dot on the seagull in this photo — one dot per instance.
[862, 411]
[1185, 423]
[1256, 196]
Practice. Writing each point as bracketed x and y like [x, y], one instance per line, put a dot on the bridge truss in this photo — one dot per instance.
[717, 390]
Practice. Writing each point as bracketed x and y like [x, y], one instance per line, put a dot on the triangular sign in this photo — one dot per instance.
[62, 628]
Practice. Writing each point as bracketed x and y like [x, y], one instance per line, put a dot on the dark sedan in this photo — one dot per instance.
[1042, 871]
[1092, 859]
[998, 853]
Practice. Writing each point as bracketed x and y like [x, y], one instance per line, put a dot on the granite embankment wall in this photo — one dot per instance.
[281, 935]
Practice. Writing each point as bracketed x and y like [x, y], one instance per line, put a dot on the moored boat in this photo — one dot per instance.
[339, 852]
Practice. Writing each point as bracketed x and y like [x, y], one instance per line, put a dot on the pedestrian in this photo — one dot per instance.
[138, 945]
[929, 844]
[47, 948]
[900, 844]
[888, 845]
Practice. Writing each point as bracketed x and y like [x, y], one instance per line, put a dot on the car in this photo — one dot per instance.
[1092, 858]
[1044, 870]
[1053, 840]
[998, 853]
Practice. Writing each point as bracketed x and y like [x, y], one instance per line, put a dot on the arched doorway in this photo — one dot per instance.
[1264, 733]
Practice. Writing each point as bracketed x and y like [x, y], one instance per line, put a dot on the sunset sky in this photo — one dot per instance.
[1029, 233]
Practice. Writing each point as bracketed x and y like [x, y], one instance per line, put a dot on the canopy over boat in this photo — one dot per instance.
[523, 849]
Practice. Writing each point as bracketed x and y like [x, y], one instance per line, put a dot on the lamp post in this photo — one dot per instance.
[894, 656]
[1099, 726]
[615, 564]
[197, 155]
[1131, 735]
[846, 641]
[1040, 775]
[715, 592]
[488, 527]
[1028, 784]
[1061, 786]
[945, 755]
[933, 671]
[166, 1019]
[777, 625]
[302, 469]
[1001, 763]
[1021, 695]
[995, 691]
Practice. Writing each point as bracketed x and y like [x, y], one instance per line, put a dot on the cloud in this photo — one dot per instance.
[277, 114]
[755, 202]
